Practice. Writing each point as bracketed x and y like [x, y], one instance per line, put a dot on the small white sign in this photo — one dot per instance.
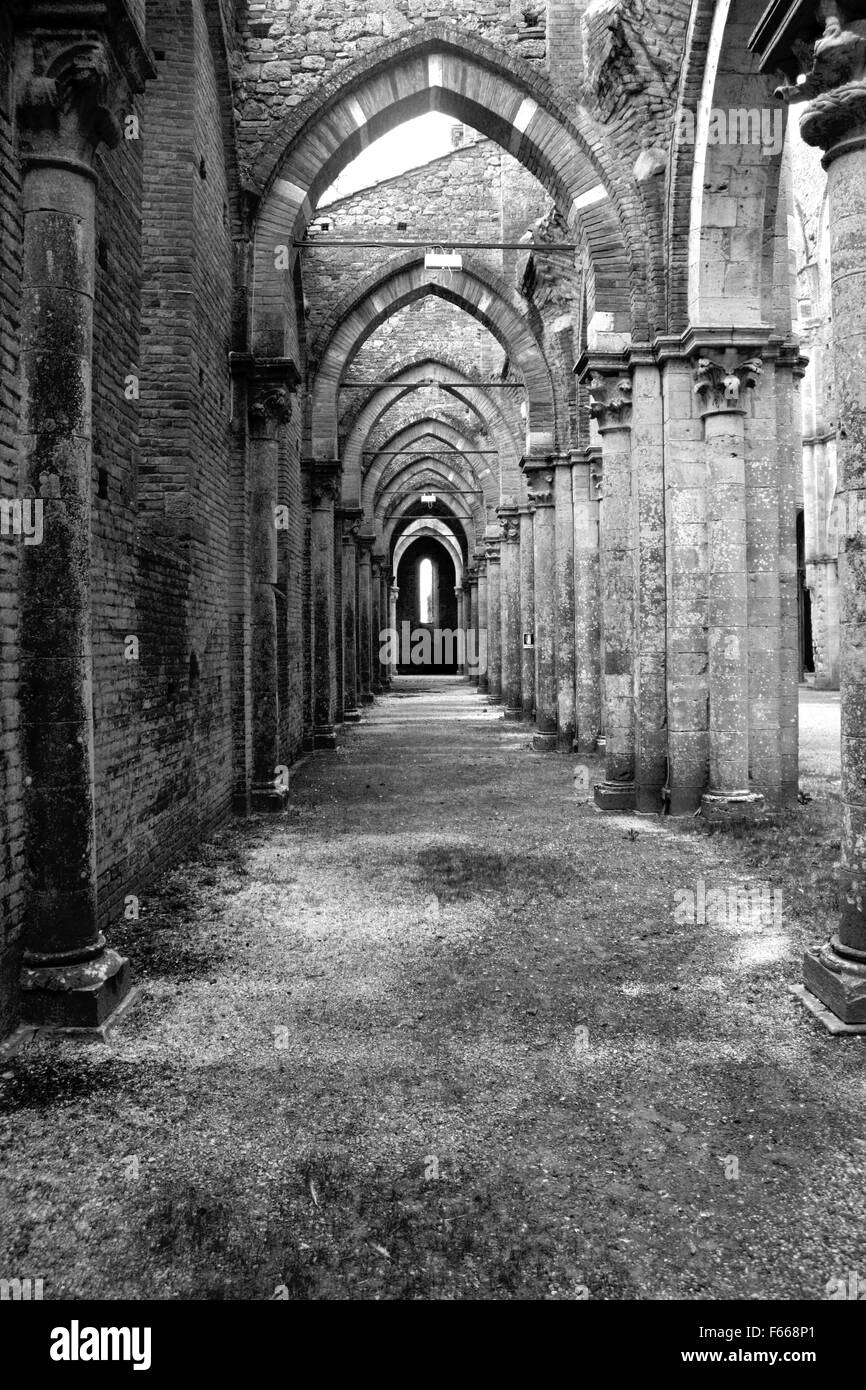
[528, 639]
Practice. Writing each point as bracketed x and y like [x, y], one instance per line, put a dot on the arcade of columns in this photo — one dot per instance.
[659, 596]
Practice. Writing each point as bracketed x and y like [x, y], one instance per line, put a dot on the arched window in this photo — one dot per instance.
[425, 591]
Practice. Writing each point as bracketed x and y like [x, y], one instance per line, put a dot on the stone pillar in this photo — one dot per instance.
[365, 623]
[720, 385]
[351, 521]
[269, 382]
[393, 595]
[611, 390]
[565, 651]
[324, 487]
[472, 640]
[509, 603]
[385, 617]
[587, 629]
[836, 122]
[65, 111]
[482, 624]
[376, 565]
[686, 588]
[540, 477]
[494, 619]
[461, 630]
[527, 613]
[648, 528]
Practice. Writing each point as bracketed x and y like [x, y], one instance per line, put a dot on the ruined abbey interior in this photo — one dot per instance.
[561, 416]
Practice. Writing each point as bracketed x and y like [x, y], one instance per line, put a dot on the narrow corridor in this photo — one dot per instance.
[440, 1033]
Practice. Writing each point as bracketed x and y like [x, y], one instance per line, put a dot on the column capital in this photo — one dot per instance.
[508, 512]
[270, 382]
[378, 561]
[323, 479]
[540, 473]
[81, 63]
[610, 393]
[350, 518]
[721, 380]
[828, 40]
[365, 546]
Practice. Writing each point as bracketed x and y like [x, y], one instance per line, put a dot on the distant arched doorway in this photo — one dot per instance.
[427, 610]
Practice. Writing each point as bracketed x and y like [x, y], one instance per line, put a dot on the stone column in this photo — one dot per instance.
[482, 624]
[324, 488]
[527, 613]
[472, 640]
[365, 624]
[461, 631]
[269, 382]
[565, 652]
[721, 384]
[587, 629]
[494, 619]
[65, 111]
[351, 520]
[376, 563]
[540, 478]
[385, 618]
[611, 391]
[836, 122]
[393, 595]
[509, 603]
[648, 526]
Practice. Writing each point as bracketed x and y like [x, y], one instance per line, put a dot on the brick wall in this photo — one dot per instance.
[11, 816]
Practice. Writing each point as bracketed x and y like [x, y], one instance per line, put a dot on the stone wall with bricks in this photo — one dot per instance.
[11, 781]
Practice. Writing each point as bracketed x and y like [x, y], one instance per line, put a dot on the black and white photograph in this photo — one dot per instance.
[432, 668]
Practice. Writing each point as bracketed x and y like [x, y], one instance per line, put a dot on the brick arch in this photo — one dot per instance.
[436, 529]
[723, 199]
[403, 282]
[400, 498]
[470, 493]
[436, 67]
[431, 365]
[379, 402]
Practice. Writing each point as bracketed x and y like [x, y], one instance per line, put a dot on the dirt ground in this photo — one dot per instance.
[445, 1031]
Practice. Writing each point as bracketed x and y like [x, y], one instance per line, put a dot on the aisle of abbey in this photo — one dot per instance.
[598, 369]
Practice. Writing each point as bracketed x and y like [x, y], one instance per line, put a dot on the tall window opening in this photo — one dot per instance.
[425, 591]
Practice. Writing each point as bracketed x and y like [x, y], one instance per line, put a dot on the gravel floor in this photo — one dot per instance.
[445, 1031]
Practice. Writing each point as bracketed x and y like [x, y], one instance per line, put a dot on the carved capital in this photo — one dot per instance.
[78, 67]
[821, 48]
[721, 381]
[324, 481]
[509, 521]
[540, 477]
[350, 519]
[271, 382]
[610, 400]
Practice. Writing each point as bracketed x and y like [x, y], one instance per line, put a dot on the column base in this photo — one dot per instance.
[565, 740]
[268, 798]
[324, 736]
[724, 808]
[513, 713]
[483, 685]
[544, 743]
[352, 716]
[585, 746]
[367, 698]
[837, 980]
[81, 997]
[615, 796]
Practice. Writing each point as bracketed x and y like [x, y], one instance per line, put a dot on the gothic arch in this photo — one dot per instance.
[439, 68]
[402, 283]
